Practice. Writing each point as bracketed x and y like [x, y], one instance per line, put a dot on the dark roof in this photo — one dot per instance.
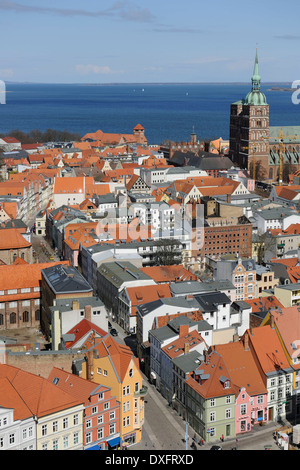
[202, 161]
[208, 302]
[65, 279]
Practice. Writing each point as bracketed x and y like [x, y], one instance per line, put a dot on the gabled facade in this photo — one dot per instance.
[101, 422]
[210, 399]
[113, 365]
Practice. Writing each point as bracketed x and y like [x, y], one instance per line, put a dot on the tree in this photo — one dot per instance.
[264, 243]
[168, 253]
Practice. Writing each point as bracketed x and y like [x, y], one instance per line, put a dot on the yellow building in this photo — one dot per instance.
[288, 295]
[114, 365]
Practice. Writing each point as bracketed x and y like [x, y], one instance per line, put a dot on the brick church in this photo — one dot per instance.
[254, 145]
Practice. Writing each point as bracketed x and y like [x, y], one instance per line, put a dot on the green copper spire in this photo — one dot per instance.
[256, 77]
[256, 97]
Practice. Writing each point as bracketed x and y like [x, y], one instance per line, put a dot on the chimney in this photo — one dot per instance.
[88, 312]
[183, 330]
[75, 305]
[90, 365]
[186, 348]
[229, 198]
[235, 338]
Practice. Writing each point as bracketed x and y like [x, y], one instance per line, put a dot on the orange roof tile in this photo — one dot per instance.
[268, 348]
[23, 275]
[11, 238]
[143, 294]
[212, 387]
[82, 329]
[169, 273]
[40, 396]
[176, 348]
[242, 367]
[119, 354]
[10, 398]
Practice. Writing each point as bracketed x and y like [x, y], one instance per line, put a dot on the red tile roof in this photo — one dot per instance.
[38, 394]
[242, 367]
[82, 329]
[11, 238]
[268, 349]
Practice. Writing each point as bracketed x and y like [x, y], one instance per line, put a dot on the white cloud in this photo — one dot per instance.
[6, 73]
[90, 69]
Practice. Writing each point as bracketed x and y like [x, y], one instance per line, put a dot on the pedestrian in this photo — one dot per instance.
[222, 438]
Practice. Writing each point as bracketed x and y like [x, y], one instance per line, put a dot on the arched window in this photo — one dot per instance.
[25, 317]
[13, 318]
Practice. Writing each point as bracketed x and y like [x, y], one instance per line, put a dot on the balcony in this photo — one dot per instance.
[142, 392]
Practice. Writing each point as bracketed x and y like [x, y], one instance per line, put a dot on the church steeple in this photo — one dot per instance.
[256, 97]
[256, 77]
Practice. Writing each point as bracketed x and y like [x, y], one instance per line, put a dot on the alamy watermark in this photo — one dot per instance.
[2, 92]
[296, 93]
[132, 223]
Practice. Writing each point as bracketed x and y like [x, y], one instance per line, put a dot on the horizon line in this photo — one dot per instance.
[10, 82]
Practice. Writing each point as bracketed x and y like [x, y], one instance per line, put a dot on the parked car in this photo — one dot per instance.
[216, 447]
[113, 332]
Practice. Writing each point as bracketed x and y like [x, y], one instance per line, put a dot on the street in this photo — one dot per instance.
[165, 430]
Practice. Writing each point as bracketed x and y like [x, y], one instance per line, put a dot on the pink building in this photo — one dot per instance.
[251, 399]
[249, 411]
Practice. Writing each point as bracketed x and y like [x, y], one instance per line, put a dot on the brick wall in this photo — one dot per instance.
[42, 362]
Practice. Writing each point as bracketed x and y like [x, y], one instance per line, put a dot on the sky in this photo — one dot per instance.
[111, 41]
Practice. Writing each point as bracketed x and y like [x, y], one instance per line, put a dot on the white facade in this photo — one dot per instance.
[16, 434]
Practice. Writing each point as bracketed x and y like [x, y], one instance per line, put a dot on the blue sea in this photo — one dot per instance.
[167, 111]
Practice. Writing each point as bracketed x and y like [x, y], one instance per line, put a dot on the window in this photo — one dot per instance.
[44, 430]
[100, 433]
[66, 442]
[100, 419]
[131, 373]
[65, 423]
[76, 438]
[76, 419]
[212, 402]
[260, 399]
[228, 413]
[243, 409]
[112, 415]
[112, 428]
[55, 444]
[107, 405]
[55, 426]
[11, 438]
[94, 409]
[212, 416]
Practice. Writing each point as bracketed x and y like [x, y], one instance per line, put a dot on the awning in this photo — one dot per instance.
[114, 442]
[95, 447]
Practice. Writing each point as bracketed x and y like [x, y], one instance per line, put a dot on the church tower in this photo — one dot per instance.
[249, 130]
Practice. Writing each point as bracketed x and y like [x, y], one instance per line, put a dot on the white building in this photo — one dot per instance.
[15, 434]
